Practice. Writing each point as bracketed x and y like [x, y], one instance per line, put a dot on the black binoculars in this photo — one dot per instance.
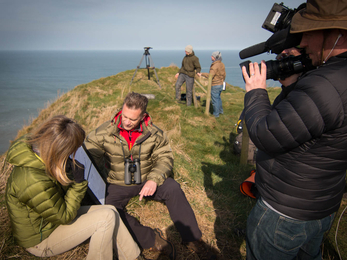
[132, 171]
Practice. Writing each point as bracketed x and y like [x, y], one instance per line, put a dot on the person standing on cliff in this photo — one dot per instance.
[190, 66]
[217, 71]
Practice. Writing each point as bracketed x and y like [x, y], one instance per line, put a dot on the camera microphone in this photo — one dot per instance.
[279, 41]
[253, 50]
[278, 22]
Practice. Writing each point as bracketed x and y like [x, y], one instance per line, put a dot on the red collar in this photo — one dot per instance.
[131, 135]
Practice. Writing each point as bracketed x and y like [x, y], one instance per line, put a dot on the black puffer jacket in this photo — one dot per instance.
[302, 142]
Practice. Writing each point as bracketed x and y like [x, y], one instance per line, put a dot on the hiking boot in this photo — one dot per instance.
[201, 249]
[162, 245]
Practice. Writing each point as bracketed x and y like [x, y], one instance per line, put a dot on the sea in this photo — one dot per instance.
[31, 79]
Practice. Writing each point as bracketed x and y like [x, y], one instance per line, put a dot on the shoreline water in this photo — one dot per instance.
[30, 79]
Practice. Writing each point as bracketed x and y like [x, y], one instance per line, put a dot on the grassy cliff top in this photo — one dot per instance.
[205, 165]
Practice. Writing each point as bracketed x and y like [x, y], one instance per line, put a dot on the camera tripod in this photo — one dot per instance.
[149, 61]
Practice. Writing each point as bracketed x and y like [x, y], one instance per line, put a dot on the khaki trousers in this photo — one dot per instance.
[100, 223]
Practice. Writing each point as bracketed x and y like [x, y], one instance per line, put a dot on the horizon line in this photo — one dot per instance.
[114, 49]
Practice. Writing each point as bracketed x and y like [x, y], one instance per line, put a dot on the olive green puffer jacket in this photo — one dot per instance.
[36, 203]
[108, 148]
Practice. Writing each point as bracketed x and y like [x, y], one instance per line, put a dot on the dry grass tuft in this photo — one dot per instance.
[172, 108]
[179, 149]
[105, 114]
[201, 121]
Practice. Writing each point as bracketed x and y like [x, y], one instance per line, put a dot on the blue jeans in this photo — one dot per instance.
[216, 100]
[271, 236]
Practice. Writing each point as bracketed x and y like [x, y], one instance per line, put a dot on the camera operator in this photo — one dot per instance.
[131, 136]
[302, 141]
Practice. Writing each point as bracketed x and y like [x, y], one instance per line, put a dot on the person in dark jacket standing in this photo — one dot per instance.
[131, 135]
[301, 141]
[217, 72]
[190, 66]
[44, 194]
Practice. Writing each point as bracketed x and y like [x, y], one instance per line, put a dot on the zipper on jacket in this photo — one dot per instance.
[131, 154]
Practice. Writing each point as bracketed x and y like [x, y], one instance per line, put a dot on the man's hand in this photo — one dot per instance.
[257, 78]
[176, 76]
[148, 189]
[199, 74]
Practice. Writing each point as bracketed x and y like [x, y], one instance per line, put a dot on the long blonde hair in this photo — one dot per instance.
[57, 139]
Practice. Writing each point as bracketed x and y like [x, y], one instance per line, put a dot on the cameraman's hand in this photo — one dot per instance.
[257, 78]
[148, 189]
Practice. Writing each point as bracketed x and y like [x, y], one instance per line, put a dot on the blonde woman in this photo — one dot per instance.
[44, 193]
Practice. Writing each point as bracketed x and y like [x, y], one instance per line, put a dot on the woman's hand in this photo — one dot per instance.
[76, 170]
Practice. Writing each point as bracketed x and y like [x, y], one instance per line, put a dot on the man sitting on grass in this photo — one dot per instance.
[130, 134]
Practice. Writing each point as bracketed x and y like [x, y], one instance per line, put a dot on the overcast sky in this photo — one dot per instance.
[133, 24]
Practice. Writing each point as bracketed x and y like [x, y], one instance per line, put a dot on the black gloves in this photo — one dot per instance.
[77, 170]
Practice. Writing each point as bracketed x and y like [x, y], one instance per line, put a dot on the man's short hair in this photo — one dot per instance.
[136, 101]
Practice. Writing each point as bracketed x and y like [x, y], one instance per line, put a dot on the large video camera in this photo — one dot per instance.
[281, 69]
[278, 22]
[132, 171]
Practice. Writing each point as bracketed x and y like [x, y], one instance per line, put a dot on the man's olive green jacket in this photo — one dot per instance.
[108, 150]
[36, 203]
[190, 65]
